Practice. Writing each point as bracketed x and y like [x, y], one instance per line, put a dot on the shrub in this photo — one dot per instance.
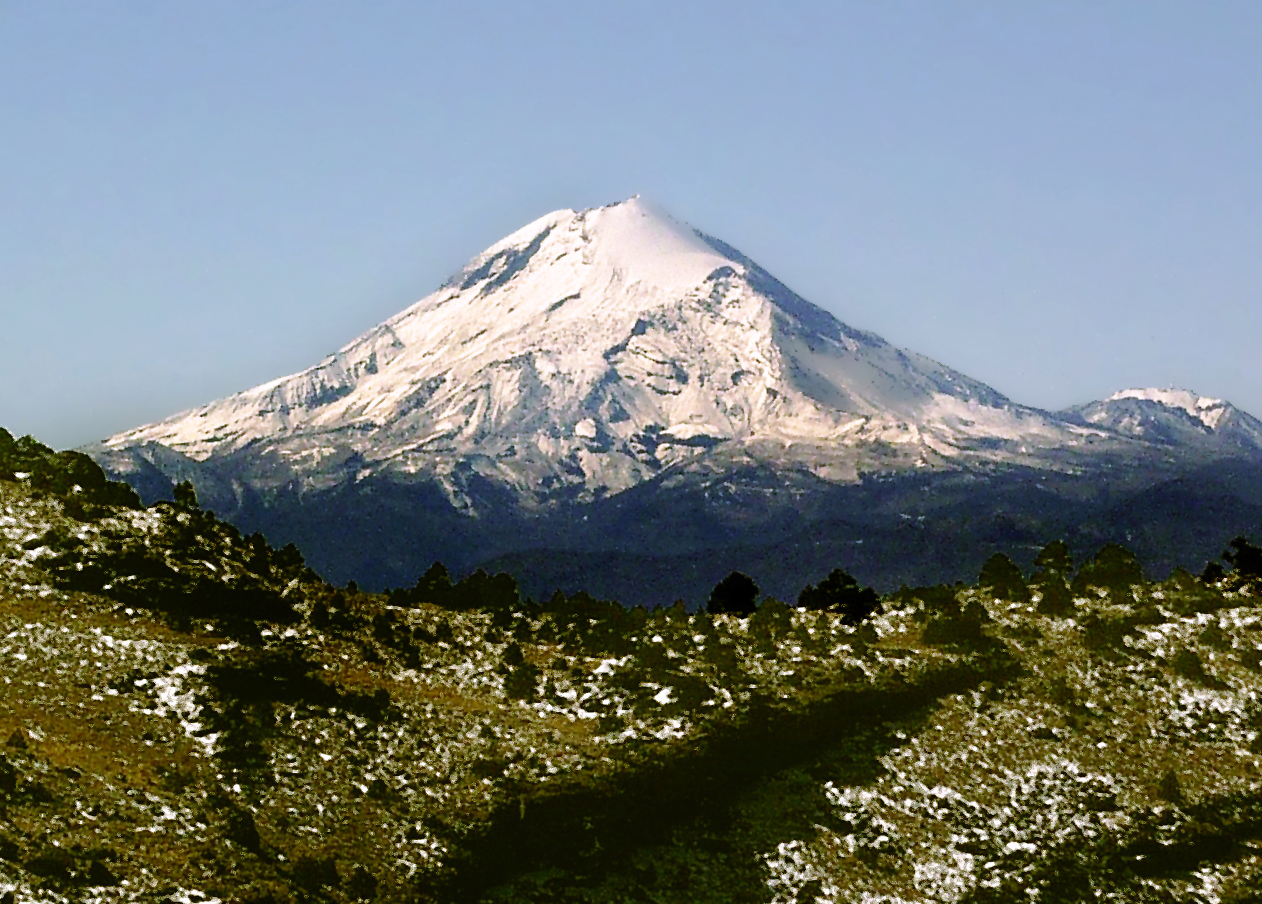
[594, 625]
[1245, 558]
[1056, 599]
[770, 620]
[362, 885]
[313, 873]
[1215, 638]
[1106, 633]
[286, 675]
[938, 600]
[53, 864]
[1187, 664]
[513, 655]
[522, 681]
[1169, 788]
[1192, 596]
[963, 629]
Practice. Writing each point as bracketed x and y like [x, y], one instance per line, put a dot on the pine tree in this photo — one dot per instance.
[1114, 568]
[1004, 578]
[736, 594]
[185, 496]
[1055, 558]
[1245, 558]
[840, 592]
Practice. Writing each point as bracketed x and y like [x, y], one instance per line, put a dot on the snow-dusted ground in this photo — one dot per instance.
[128, 735]
[1003, 782]
[121, 737]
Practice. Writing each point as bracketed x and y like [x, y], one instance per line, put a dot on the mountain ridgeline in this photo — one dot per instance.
[612, 401]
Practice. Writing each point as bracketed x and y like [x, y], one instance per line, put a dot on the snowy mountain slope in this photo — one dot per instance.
[587, 352]
[1174, 417]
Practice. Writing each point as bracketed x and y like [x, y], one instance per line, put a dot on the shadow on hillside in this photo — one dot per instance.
[593, 832]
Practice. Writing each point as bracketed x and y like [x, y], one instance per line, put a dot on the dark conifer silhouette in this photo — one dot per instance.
[840, 592]
[1245, 558]
[1053, 567]
[434, 586]
[1004, 578]
[185, 496]
[493, 592]
[736, 594]
[1213, 573]
[1114, 568]
[1055, 558]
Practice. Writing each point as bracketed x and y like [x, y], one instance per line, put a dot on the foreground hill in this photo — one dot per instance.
[192, 715]
[597, 359]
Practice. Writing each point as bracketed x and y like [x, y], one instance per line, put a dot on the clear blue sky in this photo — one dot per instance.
[1061, 199]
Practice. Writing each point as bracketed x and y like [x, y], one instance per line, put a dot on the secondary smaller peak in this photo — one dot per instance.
[1192, 402]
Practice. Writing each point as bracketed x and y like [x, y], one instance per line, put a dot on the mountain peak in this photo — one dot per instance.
[1174, 417]
[1207, 410]
[586, 352]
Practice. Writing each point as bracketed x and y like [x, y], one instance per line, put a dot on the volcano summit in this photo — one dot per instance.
[586, 352]
[596, 354]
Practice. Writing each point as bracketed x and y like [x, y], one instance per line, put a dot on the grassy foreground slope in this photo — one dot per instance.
[189, 715]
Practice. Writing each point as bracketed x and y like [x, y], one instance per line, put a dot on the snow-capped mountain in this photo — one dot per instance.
[1174, 417]
[610, 394]
[582, 355]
